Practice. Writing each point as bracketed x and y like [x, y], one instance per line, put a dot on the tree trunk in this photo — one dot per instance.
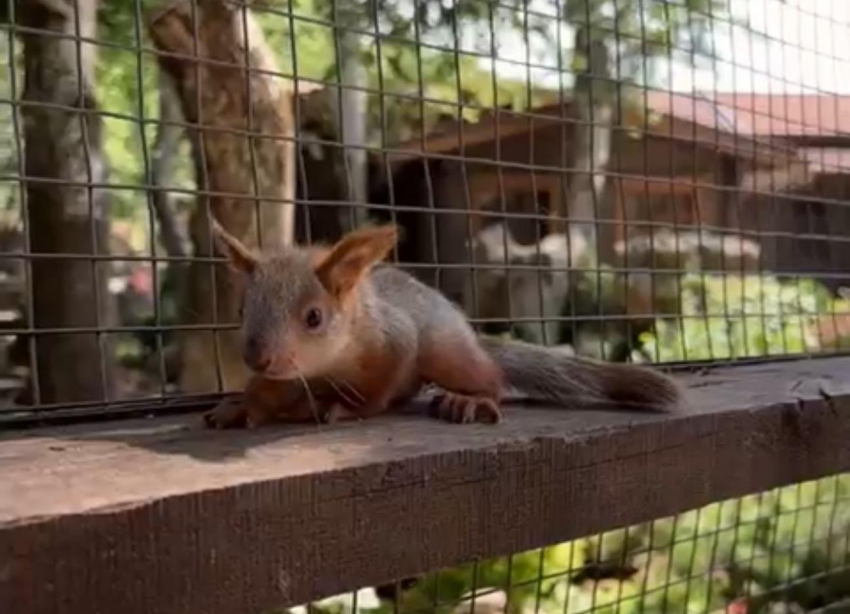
[351, 118]
[261, 168]
[592, 144]
[165, 150]
[65, 146]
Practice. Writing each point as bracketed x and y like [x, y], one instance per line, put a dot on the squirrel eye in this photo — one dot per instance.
[313, 318]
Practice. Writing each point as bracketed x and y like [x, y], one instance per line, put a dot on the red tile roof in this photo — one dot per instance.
[741, 123]
[760, 114]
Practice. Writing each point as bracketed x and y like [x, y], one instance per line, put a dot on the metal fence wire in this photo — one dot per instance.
[782, 551]
[641, 180]
[660, 181]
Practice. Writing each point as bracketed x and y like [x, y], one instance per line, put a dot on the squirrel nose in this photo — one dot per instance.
[256, 356]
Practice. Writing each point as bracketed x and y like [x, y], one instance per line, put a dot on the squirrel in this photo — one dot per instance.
[331, 332]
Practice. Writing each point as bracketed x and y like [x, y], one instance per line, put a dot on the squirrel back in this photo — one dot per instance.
[536, 371]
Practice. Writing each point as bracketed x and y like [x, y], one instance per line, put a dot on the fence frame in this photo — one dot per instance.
[165, 517]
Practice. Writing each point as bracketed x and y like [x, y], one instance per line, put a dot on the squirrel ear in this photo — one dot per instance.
[240, 256]
[352, 257]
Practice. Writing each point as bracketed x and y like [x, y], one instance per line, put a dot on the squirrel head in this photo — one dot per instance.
[299, 307]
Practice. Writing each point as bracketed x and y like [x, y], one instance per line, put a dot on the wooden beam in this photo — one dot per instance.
[162, 516]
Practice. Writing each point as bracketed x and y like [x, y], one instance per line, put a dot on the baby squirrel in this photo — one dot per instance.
[329, 335]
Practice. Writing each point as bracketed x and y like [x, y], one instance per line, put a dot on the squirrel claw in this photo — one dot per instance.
[209, 419]
[226, 414]
[465, 409]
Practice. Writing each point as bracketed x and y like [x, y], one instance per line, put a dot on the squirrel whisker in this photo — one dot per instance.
[353, 390]
[310, 398]
[344, 396]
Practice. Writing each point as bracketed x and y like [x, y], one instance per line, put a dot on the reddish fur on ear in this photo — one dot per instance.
[352, 257]
[241, 258]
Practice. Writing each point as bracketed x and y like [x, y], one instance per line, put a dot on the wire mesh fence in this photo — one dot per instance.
[785, 550]
[640, 180]
[659, 181]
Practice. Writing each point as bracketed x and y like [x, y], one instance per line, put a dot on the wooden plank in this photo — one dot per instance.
[162, 516]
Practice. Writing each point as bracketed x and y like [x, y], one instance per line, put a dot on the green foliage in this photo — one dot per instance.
[127, 92]
[396, 65]
[733, 316]
[641, 30]
[9, 189]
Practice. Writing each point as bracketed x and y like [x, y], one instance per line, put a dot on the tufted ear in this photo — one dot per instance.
[353, 256]
[241, 258]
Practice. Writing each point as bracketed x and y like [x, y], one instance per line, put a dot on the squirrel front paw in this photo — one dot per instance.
[464, 409]
[231, 413]
[227, 414]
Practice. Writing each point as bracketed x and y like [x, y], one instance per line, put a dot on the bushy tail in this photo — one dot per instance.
[546, 374]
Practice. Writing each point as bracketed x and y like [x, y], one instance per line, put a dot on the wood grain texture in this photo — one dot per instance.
[163, 516]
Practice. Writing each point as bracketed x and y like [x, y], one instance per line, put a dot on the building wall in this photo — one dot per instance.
[806, 233]
[703, 194]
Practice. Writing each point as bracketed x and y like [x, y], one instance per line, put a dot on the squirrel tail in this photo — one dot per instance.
[546, 374]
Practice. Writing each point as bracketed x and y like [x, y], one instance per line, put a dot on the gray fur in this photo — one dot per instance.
[432, 312]
[275, 290]
[544, 374]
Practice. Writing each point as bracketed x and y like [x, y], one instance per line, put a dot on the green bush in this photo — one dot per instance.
[727, 317]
